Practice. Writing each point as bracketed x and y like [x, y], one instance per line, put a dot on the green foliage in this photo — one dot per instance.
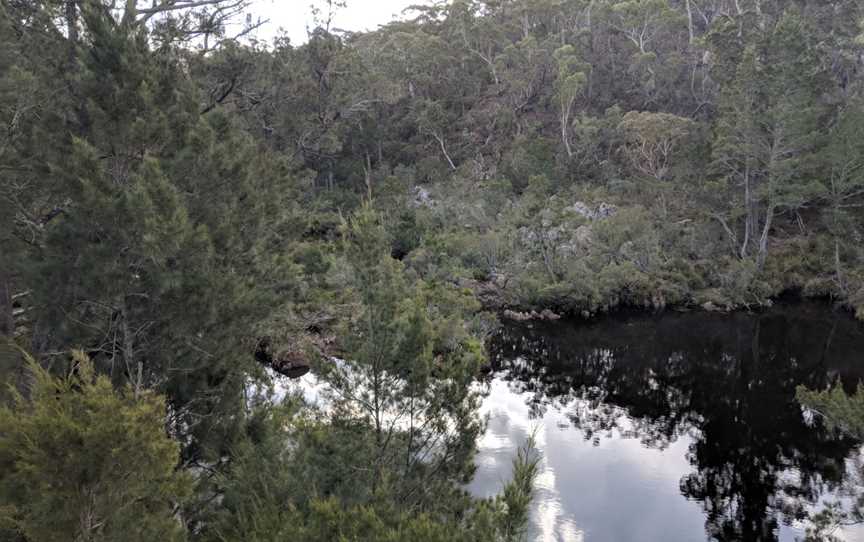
[845, 413]
[841, 410]
[81, 460]
[274, 492]
[515, 500]
[164, 209]
[403, 388]
[164, 227]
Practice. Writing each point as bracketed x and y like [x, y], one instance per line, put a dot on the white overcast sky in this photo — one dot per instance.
[295, 15]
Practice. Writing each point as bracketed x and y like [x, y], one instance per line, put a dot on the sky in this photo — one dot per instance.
[294, 15]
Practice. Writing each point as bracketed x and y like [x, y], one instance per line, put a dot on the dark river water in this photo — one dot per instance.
[678, 427]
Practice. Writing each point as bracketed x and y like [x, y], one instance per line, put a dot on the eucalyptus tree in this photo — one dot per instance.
[652, 142]
[569, 84]
[842, 163]
[768, 129]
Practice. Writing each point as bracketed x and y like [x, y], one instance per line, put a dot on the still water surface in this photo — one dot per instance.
[678, 427]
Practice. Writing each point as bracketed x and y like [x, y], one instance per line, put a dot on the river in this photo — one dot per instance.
[675, 427]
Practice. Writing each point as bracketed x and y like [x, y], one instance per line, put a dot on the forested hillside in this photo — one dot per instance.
[184, 211]
[584, 155]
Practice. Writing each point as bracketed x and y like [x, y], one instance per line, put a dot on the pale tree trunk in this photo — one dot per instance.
[367, 176]
[733, 239]
[492, 68]
[763, 240]
[88, 523]
[689, 20]
[440, 141]
[488, 57]
[837, 267]
[130, 13]
[748, 208]
[777, 150]
[133, 368]
[760, 17]
[740, 13]
[489, 62]
[566, 108]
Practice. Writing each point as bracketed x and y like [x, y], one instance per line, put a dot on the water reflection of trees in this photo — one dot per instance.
[729, 381]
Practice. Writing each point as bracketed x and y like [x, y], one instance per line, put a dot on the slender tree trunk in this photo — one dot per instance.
[775, 154]
[137, 377]
[444, 150]
[760, 17]
[379, 422]
[733, 239]
[130, 13]
[763, 240]
[7, 320]
[740, 13]
[748, 208]
[838, 271]
[367, 176]
[565, 125]
[71, 14]
[689, 20]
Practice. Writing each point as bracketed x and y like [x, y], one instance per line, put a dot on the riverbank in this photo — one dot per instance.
[495, 298]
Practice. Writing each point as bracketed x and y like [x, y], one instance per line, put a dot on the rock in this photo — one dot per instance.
[709, 306]
[500, 280]
[582, 210]
[583, 234]
[291, 364]
[288, 363]
[527, 236]
[422, 198]
[569, 249]
[292, 371]
[546, 314]
[516, 315]
[605, 210]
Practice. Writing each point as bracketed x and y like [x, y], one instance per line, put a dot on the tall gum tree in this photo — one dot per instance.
[768, 131]
[569, 84]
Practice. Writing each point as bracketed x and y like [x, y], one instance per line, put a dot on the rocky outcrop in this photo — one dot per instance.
[420, 197]
[518, 316]
[567, 239]
[291, 363]
[601, 211]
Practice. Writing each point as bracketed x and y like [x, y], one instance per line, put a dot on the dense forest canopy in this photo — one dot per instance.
[180, 203]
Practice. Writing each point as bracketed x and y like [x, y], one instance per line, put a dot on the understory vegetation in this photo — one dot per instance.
[185, 212]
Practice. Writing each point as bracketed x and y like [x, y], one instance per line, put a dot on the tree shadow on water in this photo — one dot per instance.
[727, 381]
